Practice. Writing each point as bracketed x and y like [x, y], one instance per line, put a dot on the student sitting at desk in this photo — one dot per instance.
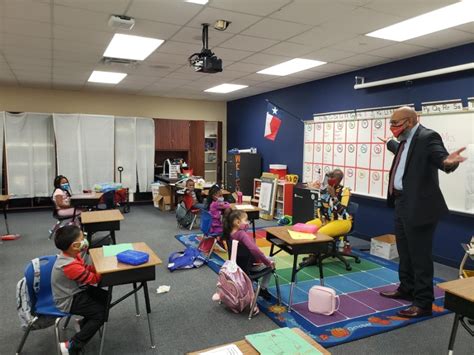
[332, 217]
[71, 282]
[190, 198]
[217, 208]
[236, 225]
[62, 197]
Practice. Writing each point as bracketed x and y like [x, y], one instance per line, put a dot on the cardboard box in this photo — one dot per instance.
[384, 246]
[162, 202]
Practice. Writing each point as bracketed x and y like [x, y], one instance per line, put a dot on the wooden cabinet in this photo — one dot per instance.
[196, 153]
[172, 135]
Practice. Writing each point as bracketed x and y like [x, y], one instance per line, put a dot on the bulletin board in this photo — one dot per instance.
[349, 141]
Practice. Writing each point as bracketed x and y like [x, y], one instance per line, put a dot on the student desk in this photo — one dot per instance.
[279, 237]
[248, 349]
[98, 221]
[459, 298]
[252, 214]
[114, 273]
[88, 200]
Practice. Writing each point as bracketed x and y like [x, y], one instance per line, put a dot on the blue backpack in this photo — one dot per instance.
[188, 259]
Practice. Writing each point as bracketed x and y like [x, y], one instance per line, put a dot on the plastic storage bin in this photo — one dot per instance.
[279, 170]
[133, 257]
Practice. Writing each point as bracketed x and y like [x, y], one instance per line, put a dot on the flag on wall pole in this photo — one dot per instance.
[272, 122]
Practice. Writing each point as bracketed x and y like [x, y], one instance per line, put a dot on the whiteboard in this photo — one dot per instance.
[352, 146]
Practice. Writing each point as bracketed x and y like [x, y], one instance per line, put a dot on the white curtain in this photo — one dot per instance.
[2, 123]
[125, 151]
[145, 128]
[85, 149]
[29, 144]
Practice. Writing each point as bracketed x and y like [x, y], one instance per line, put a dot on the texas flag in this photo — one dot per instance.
[272, 123]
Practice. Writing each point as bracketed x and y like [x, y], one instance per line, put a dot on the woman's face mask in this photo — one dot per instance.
[65, 186]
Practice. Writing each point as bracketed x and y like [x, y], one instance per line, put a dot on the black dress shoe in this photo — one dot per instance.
[308, 261]
[396, 294]
[267, 296]
[414, 312]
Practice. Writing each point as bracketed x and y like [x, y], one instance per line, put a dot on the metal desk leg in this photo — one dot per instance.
[112, 235]
[136, 299]
[6, 218]
[293, 281]
[253, 229]
[104, 327]
[148, 311]
[320, 265]
[454, 330]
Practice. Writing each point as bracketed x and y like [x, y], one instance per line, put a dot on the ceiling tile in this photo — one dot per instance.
[97, 38]
[246, 67]
[261, 7]
[189, 76]
[193, 35]
[170, 11]
[266, 59]
[108, 6]
[287, 49]
[180, 48]
[17, 60]
[362, 44]
[258, 77]
[443, 39]
[248, 43]
[27, 10]
[21, 52]
[407, 8]
[334, 68]
[25, 43]
[166, 58]
[361, 21]
[152, 29]
[78, 47]
[209, 15]
[328, 54]
[312, 12]
[399, 50]
[320, 37]
[26, 28]
[80, 18]
[87, 58]
[468, 27]
[231, 54]
[276, 29]
[363, 60]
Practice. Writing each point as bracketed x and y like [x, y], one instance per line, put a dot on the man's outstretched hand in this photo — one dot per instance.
[455, 157]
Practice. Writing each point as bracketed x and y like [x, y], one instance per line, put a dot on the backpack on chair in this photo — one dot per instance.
[184, 217]
[234, 287]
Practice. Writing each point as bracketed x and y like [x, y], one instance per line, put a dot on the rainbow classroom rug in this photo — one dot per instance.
[362, 312]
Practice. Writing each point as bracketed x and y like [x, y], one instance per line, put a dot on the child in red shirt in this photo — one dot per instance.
[73, 293]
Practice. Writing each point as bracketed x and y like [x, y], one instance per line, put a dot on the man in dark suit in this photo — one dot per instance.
[415, 194]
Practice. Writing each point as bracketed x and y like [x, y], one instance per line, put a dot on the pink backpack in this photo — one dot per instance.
[234, 288]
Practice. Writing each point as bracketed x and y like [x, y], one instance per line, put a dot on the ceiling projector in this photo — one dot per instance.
[205, 61]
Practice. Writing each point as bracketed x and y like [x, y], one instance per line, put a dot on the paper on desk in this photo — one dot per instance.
[113, 250]
[300, 235]
[244, 207]
[230, 349]
[281, 341]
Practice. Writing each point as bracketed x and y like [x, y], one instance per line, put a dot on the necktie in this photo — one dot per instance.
[395, 166]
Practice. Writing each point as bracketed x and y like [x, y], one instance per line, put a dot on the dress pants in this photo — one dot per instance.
[414, 244]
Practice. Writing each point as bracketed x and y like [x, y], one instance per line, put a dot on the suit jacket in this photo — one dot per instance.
[422, 197]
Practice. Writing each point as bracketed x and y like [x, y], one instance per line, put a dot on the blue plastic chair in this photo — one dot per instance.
[205, 226]
[42, 302]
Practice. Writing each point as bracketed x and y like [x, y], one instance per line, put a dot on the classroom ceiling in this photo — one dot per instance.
[58, 43]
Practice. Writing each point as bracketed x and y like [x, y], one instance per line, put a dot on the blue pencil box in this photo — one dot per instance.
[133, 257]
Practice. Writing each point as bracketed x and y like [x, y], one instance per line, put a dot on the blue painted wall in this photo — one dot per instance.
[246, 122]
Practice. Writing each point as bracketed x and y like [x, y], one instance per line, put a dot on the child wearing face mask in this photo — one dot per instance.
[235, 228]
[62, 197]
[71, 282]
[217, 208]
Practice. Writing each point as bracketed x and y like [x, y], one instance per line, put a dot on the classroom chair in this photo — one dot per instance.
[60, 221]
[208, 241]
[42, 302]
[245, 262]
[334, 252]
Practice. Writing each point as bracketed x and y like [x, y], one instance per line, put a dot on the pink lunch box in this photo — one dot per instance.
[322, 300]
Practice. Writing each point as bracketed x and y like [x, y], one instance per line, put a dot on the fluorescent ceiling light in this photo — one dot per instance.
[225, 88]
[437, 20]
[106, 77]
[291, 66]
[131, 47]
[200, 2]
